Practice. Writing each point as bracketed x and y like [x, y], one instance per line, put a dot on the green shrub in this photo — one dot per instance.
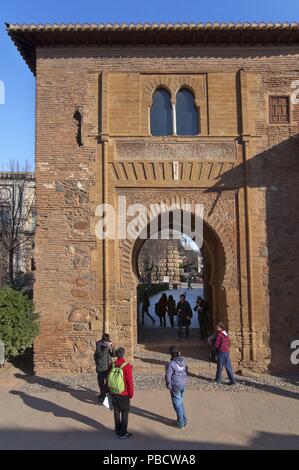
[18, 321]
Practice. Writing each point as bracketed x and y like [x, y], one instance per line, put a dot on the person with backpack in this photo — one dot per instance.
[103, 359]
[184, 316]
[120, 384]
[222, 345]
[176, 381]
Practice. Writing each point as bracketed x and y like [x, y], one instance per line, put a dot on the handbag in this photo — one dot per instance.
[108, 402]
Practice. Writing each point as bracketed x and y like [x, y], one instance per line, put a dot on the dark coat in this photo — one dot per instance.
[202, 309]
[171, 308]
[103, 355]
[184, 313]
[162, 307]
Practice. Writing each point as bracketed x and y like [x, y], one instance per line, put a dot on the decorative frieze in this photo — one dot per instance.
[139, 150]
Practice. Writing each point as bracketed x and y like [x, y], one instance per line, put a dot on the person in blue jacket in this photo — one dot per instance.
[176, 382]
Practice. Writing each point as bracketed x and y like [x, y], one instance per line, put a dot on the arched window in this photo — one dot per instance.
[186, 113]
[161, 113]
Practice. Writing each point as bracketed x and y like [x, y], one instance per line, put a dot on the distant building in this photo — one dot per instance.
[17, 226]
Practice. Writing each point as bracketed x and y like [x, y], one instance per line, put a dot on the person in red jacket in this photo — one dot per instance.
[222, 344]
[121, 402]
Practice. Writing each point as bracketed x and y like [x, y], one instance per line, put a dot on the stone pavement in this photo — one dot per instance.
[191, 296]
[71, 418]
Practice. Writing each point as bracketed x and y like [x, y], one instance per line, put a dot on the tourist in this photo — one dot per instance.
[145, 307]
[184, 312]
[171, 309]
[222, 344]
[120, 382]
[103, 359]
[176, 382]
[189, 282]
[162, 309]
[202, 308]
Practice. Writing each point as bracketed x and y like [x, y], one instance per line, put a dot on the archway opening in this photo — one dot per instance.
[176, 265]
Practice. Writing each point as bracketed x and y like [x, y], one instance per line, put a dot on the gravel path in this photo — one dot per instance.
[287, 386]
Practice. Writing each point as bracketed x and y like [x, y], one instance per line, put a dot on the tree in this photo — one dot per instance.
[151, 253]
[17, 217]
[18, 321]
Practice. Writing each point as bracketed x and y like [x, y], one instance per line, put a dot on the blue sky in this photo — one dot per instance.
[17, 114]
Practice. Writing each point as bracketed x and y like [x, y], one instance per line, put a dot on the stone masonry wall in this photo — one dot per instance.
[73, 276]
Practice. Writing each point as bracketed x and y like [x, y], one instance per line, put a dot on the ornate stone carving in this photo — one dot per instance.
[173, 151]
[219, 214]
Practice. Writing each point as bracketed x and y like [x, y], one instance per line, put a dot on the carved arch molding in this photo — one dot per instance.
[219, 213]
[173, 83]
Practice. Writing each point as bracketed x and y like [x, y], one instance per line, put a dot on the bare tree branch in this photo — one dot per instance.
[17, 204]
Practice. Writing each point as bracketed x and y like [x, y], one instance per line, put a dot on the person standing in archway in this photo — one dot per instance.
[145, 308]
[202, 309]
[171, 308]
[184, 312]
[162, 309]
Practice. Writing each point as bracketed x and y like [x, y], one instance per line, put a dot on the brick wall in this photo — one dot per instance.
[80, 285]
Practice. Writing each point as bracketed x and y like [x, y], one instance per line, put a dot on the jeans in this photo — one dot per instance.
[181, 324]
[102, 381]
[121, 407]
[163, 320]
[177, 396]
[223, 360]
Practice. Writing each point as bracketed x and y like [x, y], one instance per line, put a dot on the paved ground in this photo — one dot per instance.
[191, 296]
[63, 413]
[220, 420]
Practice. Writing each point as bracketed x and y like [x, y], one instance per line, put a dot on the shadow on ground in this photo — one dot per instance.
[101, 440]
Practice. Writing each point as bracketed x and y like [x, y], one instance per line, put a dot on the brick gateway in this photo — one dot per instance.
[94, 92]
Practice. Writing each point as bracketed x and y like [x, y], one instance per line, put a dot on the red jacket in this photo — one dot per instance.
[222, 341]
[128, 377]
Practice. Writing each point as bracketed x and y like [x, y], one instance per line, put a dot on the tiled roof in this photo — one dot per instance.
[27, 37]
[148, 26]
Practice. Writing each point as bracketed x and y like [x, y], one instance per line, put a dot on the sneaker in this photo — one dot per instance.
[126, 436]
[232, 383]
[180, 426]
